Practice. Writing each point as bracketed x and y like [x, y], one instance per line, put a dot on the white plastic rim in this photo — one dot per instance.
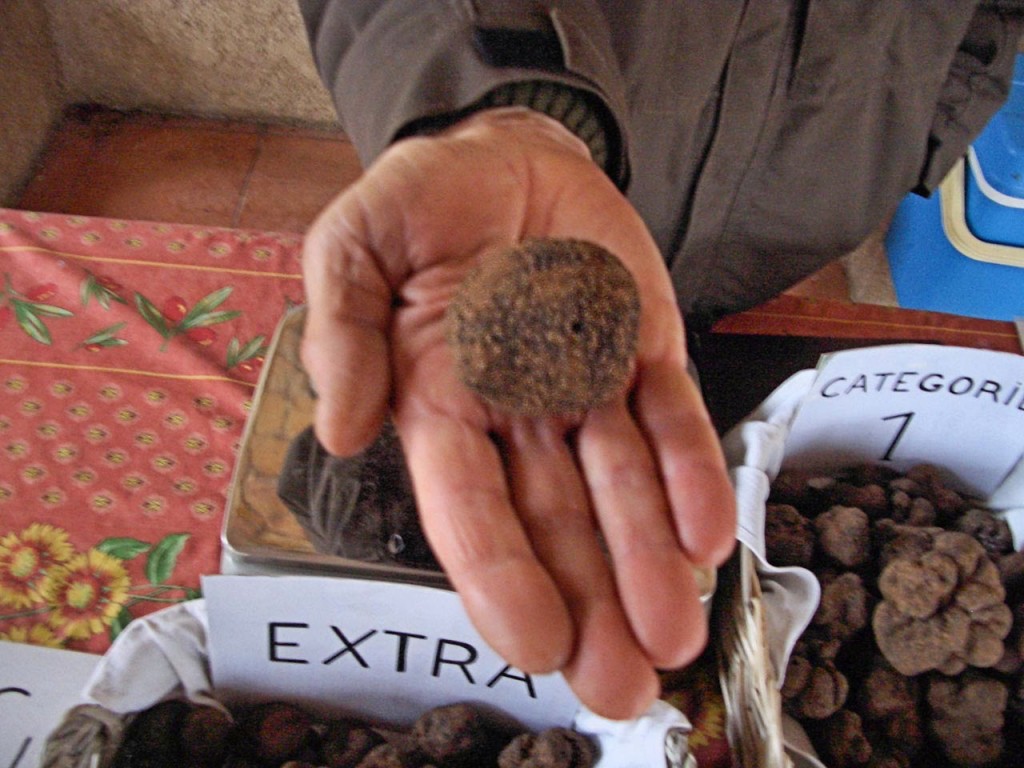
[993, 194]
[954, 221]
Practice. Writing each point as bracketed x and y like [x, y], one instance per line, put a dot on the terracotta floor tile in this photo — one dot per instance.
[309, 131]
[193, 176]
[146, 170]
[62, 168]
[293, 178]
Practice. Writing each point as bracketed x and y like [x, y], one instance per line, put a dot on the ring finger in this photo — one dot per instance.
[655, 578]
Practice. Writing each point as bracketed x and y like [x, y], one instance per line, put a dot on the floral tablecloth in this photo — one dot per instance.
[129, 353]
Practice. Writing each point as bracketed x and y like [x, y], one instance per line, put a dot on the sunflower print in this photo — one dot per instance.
[54, 595]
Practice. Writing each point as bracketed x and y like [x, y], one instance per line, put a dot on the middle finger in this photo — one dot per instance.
[608, 670]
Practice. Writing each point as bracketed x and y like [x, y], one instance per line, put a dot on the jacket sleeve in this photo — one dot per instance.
[977, 86]
[391, 64]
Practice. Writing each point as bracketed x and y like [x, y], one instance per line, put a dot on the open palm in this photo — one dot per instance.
[571, 541]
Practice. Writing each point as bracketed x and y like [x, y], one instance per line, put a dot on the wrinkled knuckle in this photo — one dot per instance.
[627, 477]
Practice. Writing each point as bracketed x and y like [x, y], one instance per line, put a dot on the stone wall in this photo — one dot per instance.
[29, 91]
[245, 61]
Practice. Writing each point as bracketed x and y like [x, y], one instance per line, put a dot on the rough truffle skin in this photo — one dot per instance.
[888, 703]
[547, 327]
[843, 610]
[788, 536]
[459, 735]
[204, 735]
[345, 743]
[387, 755]
[278, 734]
[154, 732]
[552, 748]
[813, 687]
[991, 531]
[274, 732]
[943, 609]
[844, 535]
[967, 717]
[846, 746]
[935, 676]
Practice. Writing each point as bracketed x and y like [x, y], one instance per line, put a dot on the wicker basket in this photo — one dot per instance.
[748, 639]
[748, 676]
[748, 679]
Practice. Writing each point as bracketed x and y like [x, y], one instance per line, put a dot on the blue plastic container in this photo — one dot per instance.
[962, 249]
[995, 184]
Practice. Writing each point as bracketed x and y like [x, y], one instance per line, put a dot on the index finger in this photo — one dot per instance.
[344, 345]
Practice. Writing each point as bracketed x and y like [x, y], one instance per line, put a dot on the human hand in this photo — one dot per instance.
[571, 540]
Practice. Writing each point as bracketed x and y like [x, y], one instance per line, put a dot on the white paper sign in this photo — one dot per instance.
[905, 404]
[37, 687]
[383, 650]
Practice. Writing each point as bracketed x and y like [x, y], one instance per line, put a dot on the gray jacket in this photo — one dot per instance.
[762, 139]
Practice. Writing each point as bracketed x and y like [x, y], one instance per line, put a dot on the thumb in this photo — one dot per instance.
[345, 340]
[348, 367]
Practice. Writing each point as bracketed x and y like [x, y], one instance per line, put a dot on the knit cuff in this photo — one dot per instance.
[583, 113]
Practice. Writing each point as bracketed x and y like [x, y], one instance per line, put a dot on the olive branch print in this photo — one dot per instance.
[177, 319]
[29, 309]
[101, 289]
[239, 354]
[106, 337]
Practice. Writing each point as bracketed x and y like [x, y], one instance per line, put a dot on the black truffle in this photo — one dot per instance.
[460, 735]
[788, 536]
[546, 327]
[551, 748]
[360, 507]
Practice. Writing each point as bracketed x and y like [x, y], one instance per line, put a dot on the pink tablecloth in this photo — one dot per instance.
[129, 353]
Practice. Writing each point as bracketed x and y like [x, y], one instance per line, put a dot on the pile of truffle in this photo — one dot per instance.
[177, 733]
[915, 656]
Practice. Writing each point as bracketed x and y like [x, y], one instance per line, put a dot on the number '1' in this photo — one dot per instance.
[887, 456]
